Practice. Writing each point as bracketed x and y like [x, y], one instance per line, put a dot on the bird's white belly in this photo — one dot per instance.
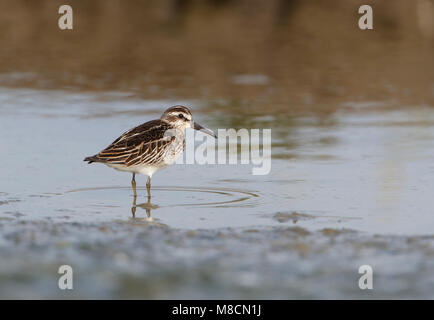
[142, 169]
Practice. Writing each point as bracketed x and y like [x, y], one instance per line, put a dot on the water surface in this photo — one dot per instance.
[350, 188]
[356, 169]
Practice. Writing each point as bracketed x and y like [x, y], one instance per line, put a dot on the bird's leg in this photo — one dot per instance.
[133, 183]
[148, 188]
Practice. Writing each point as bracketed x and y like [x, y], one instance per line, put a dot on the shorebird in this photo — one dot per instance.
[150, 146]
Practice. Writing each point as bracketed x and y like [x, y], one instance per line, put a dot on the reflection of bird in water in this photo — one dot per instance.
[147, 206]
[151, 146]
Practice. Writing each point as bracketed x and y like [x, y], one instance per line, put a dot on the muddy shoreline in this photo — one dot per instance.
[136, 259]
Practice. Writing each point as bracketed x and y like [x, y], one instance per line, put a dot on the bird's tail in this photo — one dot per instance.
[91, 159]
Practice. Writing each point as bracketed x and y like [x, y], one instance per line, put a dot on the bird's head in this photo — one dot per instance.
[181, 118]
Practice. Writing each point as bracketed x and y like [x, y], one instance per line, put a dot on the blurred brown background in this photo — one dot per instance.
[282, 55]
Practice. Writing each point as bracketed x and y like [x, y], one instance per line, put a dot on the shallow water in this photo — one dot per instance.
[359, 169]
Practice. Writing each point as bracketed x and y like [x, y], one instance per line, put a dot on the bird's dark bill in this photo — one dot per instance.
[198, 127]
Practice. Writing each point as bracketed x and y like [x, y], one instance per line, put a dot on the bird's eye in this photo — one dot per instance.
[180, 116]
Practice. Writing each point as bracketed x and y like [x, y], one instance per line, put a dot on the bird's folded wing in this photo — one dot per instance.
[145, 144]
